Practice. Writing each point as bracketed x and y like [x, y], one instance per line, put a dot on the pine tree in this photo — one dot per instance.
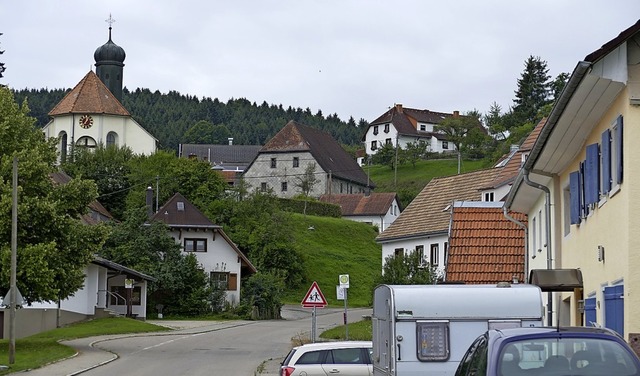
[533, 91]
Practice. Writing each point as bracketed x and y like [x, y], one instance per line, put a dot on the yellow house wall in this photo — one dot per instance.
[611, 224]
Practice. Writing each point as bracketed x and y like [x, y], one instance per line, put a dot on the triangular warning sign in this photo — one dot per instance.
[314, 297]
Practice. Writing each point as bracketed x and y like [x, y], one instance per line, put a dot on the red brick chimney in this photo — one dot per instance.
[399, 107]
[456, 114]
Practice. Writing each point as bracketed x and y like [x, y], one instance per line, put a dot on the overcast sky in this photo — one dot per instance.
[350, 57]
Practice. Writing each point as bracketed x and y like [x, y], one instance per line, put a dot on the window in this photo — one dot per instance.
[341, 187]
[63, 146]
[386, 128]
[374, 145]
[375, 130]
[432, 341]
[273, 163]
[423, 127]
[616, 155]
[434, 254]
[86, 142]
[195, 245]
[112, 139]
[263, 187]
[346, 356]
[296, 162]
[398, 252]
[388, 141]
[534, 236]
[445, 144]
[223, 280]
[283, 186]
[420, 251]
[488, 196]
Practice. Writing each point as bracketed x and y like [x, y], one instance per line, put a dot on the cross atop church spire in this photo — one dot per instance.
[110, 20]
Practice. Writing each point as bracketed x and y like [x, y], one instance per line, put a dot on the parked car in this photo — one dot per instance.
[345, 358]
[554, 351]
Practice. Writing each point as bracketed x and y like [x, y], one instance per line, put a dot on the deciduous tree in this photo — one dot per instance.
[53, 247]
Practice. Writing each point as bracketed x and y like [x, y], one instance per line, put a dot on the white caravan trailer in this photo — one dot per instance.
[426, 329]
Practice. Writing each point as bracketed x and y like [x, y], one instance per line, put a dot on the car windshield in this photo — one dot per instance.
[566, 356]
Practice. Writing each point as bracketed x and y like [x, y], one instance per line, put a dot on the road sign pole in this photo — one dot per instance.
[313, 325]
[346, 326]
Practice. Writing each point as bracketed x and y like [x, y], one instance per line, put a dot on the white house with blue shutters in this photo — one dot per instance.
[579, 190]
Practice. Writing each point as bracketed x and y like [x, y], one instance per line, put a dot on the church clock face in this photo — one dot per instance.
[86, 121]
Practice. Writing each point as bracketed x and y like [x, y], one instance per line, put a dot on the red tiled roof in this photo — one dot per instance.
[89, 96]
[428, 212]
[360, 204]
[484, 246]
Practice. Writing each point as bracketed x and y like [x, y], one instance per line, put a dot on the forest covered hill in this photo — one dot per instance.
[169, 116]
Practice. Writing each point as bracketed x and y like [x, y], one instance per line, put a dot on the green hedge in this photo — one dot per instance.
[316, 208]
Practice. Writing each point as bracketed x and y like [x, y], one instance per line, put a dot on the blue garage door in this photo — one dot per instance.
[614, 308]
[590, 312]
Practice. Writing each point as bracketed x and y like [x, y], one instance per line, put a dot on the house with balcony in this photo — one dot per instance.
[577, 188]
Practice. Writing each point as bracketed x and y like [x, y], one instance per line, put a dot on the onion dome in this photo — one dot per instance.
[109, 53]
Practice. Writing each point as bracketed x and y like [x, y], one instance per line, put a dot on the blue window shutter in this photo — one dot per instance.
[618, 149]
[574, 196]
[591, 175]
[606, 161]
[590, 312]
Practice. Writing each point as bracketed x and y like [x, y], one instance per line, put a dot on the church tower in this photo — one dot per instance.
[109, 64]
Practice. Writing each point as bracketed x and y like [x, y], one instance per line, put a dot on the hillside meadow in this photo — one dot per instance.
[335, 246]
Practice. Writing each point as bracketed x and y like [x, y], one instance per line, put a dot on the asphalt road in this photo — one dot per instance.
[199, 348]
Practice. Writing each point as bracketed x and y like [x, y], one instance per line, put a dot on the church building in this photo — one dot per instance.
[92, 113]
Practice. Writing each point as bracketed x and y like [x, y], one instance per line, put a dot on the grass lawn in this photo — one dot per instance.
[43, 348]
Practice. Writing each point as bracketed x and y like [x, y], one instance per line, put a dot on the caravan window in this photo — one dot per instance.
[432, 340]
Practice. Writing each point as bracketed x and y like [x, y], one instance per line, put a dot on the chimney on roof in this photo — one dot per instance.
[149, 201]
[230, 140]
[399, 107]
[456, 114]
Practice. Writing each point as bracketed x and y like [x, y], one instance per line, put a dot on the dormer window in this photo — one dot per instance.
[180, 205]
[375, 130]
[423, 127]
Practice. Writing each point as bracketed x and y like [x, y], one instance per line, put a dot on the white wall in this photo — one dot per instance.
[409, 245]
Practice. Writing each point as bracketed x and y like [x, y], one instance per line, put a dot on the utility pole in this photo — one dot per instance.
[14, 263]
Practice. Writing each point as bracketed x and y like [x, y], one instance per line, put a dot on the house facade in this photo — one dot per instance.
[377, 209]
[219, 257]
[578, 188]
[92, 112]
[400, 126]
[423, 226]
[281, 165]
